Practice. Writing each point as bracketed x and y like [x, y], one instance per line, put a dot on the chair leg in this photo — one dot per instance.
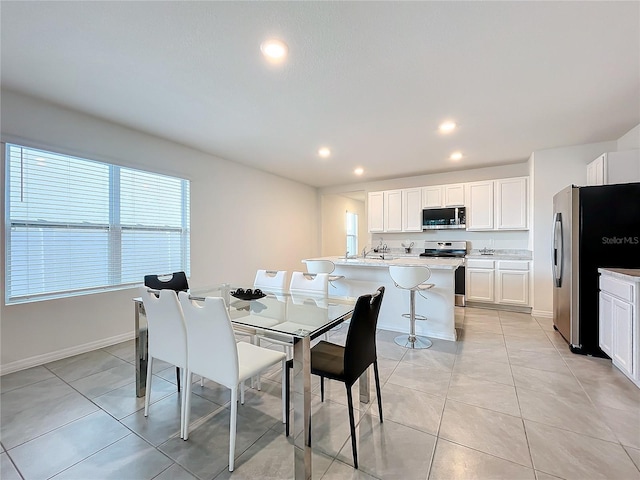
[322, 389]
[232, 427]
[375, 371]
[186, 406]
[352, 424]
[147, 393]
[178, 377]
[284, 385]
[242, 386]
[254, 340]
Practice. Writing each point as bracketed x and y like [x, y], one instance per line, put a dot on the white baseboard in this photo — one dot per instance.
[542, 313]
[60, 354]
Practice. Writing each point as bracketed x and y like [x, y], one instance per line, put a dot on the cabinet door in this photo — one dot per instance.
[605, 324]
[412, 210]
[591, 173]
[600, 170]
[454, 195]
[622, 317]
[479, 286]
[432, 197]
[393, 211]
[513, 287]
[375, 207]
[511, 204]
[480, 205]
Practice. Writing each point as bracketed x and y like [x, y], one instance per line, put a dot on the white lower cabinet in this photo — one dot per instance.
[618, 322]
[623, 336]
[480, 283]
[512, 278]
[503, 282]
[605, 325]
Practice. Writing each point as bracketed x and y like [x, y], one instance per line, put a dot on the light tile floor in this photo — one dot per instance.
[507, 401]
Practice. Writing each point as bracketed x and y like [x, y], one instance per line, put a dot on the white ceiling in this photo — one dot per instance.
[371, 80]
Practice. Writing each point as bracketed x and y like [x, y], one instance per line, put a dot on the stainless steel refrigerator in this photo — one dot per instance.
[594, 227]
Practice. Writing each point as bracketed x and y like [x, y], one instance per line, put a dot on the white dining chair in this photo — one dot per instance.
[167, 338]
[323, 266]
[273, 281]
[309, 283]
[214, 354]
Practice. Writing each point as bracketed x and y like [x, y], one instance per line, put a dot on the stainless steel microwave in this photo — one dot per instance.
[443, 218]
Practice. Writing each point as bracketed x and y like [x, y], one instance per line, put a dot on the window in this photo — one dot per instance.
[79, 226]
[352, 233]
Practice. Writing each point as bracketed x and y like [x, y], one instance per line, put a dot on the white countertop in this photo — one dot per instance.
[433, 263]
[628, 274]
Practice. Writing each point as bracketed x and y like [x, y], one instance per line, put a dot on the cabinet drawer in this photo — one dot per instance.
[622, 290]
[479, 263]
[513, 265]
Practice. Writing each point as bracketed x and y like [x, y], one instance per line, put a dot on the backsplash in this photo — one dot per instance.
[507, 240]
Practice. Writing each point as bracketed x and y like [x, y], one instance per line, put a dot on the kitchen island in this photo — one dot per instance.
[365, 275]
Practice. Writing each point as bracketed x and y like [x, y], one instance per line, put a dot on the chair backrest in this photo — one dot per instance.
[409, 276]
[167, 331]
[360, 346]
[320, 266]
[309, 283]
[271, 280]
[176, 281]
[213, 352]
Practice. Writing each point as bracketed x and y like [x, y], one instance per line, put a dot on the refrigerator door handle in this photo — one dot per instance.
[557, 250]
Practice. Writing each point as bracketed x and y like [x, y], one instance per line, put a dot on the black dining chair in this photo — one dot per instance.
[176, 281]
[346, 364]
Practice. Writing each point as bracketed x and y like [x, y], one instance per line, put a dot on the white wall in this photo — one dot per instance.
[630, 140]
[241, 219]
[552, 170]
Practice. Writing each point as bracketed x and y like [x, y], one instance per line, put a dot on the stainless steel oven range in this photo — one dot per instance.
[450, 249]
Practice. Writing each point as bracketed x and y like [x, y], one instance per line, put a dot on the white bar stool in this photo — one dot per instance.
[323, 266]
[412, 278]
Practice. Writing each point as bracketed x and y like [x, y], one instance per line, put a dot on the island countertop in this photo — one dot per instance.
[431, 262]
[361, 276]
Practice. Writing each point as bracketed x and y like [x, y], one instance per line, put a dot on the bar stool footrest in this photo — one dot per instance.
[418, 317]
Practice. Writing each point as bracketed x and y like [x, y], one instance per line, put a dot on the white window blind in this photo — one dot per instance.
[79, 226]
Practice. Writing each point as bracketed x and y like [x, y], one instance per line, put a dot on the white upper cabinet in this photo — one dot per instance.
[511, 203]
[480, 205]
[393, 211]
[432, 197]
[614, 167]
[439, 196]
[454, 195]
[412, 210]
[498, 204]
[375, 207]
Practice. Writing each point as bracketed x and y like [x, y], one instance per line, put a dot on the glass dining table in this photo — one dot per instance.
[295, 318]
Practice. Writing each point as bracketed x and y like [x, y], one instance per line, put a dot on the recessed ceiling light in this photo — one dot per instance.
[359, 171]
[274, 49]
[456, 156]
[324, 152]
[447, 127]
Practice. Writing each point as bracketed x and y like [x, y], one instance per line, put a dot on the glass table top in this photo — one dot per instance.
[294, 315]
